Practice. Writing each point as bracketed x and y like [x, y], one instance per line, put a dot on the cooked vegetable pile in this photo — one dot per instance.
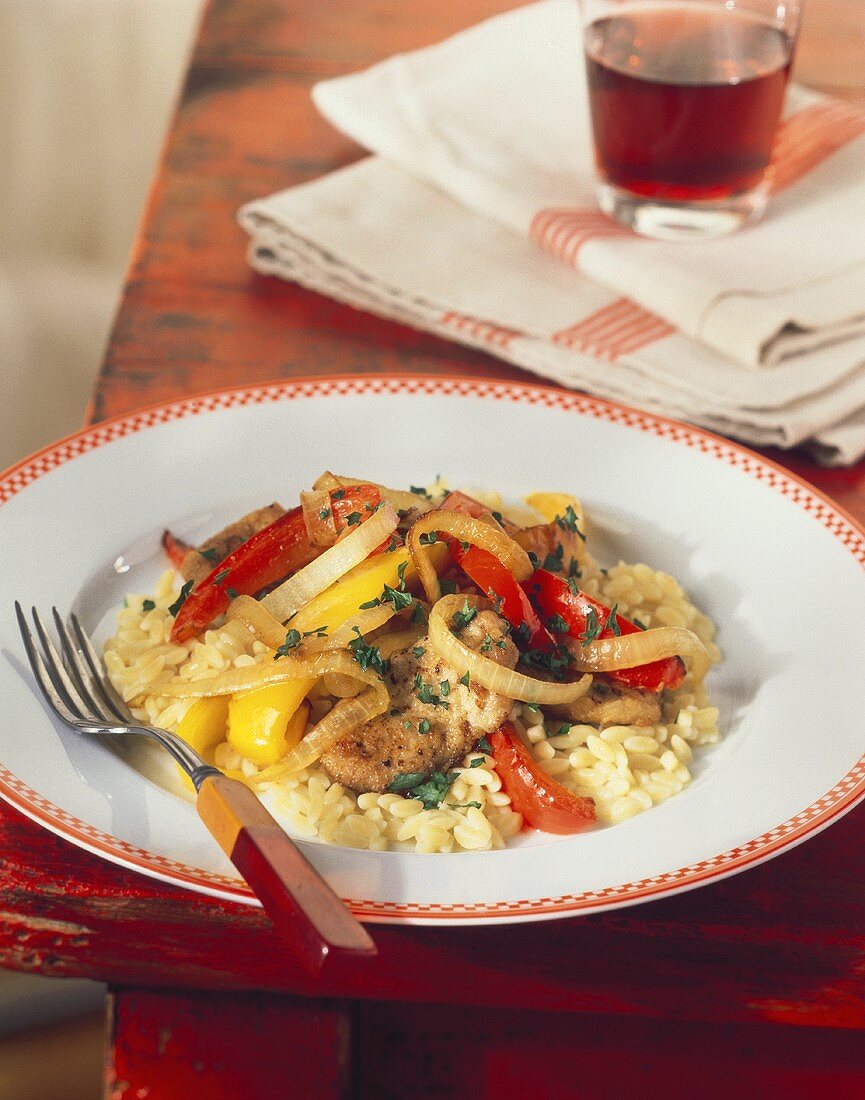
[424, 617]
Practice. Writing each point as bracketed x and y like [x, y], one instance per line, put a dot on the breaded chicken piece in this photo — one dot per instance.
[609, 704]
[428, 728]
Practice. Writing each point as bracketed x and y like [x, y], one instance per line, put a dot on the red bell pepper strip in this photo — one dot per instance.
[175, 549]
[544, 803]
[494, 580]
[265, 558]
[554, 596]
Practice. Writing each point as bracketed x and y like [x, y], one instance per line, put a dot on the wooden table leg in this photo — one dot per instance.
[222, 1046]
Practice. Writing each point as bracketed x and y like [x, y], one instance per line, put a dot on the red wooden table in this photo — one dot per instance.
[700, 993]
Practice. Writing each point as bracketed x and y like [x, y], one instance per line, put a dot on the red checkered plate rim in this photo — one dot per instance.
[842, 797]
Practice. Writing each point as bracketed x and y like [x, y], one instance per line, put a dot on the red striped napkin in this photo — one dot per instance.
[476, 219]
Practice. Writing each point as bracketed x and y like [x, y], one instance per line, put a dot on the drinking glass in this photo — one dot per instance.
[685, 98]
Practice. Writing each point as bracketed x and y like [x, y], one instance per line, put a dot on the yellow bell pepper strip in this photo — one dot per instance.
[264, 724]
[203, 727]
[253, 727]
[204, 724]
[554, 506]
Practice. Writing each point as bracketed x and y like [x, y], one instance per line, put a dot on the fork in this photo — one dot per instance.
[300, 903]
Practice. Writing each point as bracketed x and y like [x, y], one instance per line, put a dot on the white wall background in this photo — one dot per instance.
[86, 90]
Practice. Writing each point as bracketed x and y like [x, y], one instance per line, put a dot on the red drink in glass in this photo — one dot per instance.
[685, 101]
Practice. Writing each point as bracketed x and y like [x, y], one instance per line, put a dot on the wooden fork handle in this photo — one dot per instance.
[300, 903]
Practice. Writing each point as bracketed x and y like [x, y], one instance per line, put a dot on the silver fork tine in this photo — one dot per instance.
[58, 674]
[79, 672]
[52, 696]
[109, 693]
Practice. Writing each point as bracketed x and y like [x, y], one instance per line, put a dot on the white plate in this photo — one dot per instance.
[774, 563]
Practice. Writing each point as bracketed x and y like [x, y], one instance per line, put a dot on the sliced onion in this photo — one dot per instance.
[398, 641]
[478, 532]
[402, 500]
[258, 621]
[265, 628]
[318, 517]
[334, 563]
[345, 716]
[494, 677]
[259, 675]
[632, 650]
[327, 481]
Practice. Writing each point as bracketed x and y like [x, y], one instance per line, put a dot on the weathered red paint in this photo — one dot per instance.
[784, 942]
[169, 1046]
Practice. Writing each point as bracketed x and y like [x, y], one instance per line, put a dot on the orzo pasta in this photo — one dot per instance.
[414, 670]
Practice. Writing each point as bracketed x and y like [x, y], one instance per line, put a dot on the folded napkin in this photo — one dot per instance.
[476, 220]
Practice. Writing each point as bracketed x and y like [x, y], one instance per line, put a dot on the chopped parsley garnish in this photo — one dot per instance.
[498, 517]
[465, 679]
[611, 621]
[564, 728]
[325, 513]
[231, 593]
[557, 624]
[418, 652]
[464, 805]
[476, 762]
[212, 554]
[148, 605]
[352, 518]
[432, 793]
[318, 631]
[424, 693]
[593, 628]
[394, 541]
[568, 522]
[405, 781]
[641, 625]
[368, 656]
[487, 643]
[292, 641]
[181, 598]
[418, 615]
[522, 633]
[428, 538]
[337, 494]
[445, 687]
[555, 662]
[419, 492]
[396, 596]
[430, 790]
[399, 598]
[574, 569]
[423, 725]
[463, 617]
[554, 562]
[534, 559]
[448, 587]
[220, 576]
[572, 584]
[484, 746]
